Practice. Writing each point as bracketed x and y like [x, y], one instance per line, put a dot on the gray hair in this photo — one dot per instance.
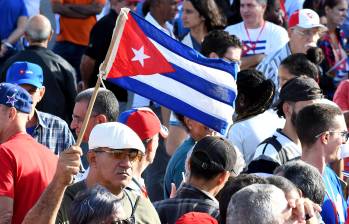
[38, 29]
[306, 177]
[106, 102]
[257, 204]
[95, 205]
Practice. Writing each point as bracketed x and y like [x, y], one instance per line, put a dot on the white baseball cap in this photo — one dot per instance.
[114, 135]
[305, 18]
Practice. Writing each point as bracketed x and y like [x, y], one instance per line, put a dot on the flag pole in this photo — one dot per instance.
[105, 67]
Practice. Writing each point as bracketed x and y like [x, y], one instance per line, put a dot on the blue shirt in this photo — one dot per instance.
[333, 197]
[10, 11]
[176, 166]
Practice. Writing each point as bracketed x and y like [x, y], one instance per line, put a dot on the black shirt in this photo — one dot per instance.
[100, 38]
[59, 80]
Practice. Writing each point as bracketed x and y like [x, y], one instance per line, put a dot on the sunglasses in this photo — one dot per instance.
[132, 154]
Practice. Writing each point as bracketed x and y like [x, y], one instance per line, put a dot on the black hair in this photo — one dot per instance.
[218, 41]
[255, 93]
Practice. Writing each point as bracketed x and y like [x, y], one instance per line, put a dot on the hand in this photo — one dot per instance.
[3, 50]
[173, 190]
[68, 165]
[303, 208]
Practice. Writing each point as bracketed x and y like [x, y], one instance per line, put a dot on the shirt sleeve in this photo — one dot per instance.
[7, 173]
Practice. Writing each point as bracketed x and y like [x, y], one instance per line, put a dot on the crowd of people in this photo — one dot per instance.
[283, 160]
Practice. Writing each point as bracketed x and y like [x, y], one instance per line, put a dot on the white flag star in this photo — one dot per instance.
[139, 55]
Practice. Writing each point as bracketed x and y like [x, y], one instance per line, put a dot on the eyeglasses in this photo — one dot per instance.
[307, 32]
[132, 154]
[344, 134]
[79, 119]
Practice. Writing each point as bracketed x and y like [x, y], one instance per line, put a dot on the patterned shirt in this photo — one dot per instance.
[188, 199]
[53, 132]
[269, 66]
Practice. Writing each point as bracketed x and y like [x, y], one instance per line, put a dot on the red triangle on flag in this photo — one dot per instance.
[137, 55]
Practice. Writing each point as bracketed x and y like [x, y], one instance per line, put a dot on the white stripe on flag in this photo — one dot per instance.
[187, 94]
[210, 74]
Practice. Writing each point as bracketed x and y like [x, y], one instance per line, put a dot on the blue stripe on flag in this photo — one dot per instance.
[171, 103]
[258, 42]
[181, 49]
[212, 90]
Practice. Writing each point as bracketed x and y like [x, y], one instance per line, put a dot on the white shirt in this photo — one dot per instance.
[247, 134]
[266, 40]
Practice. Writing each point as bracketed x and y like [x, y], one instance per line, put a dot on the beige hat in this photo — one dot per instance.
[114, 135]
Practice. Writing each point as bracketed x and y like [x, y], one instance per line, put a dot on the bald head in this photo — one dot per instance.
[38, 29]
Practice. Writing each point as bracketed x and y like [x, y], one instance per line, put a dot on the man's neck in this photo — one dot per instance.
[92, 179]
[158, 18]
[255, 25]
[11, 131]
[199, 33]
[33, 120]
[290, 132]
[312, 157]
[203, 185]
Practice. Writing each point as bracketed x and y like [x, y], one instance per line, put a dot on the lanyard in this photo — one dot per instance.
[253, 43]
[331, 200]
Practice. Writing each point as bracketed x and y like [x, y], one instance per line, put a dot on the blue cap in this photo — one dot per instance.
[15, 96]
[23, 72]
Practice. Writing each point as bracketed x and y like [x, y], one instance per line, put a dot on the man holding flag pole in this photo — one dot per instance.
[144, 60]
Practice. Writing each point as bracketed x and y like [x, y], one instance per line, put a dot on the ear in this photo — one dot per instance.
[187, 122]
[287, 109]
[223, 177]
[42, 92]
[213, 55]
[12, 113]
[324, 138]
[91, 158]
[101, 118]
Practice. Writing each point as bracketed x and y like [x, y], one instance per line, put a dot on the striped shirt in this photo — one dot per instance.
[269, 66]
[53, 132]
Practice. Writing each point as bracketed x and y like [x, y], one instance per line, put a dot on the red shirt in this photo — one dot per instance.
[27, 167]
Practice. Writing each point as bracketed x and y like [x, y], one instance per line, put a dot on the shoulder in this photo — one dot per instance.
[51, 120]
[232, 29]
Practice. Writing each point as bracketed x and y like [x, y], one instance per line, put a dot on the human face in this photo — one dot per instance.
[114, 171]
[191, 17]
[252, 13]
[78, 116]
[275, 14]
[168, 8]
[233, 54]
[197, 130]
[284, 75]
[36, 93]
[337, 14]
[335, 139]
[302, 39]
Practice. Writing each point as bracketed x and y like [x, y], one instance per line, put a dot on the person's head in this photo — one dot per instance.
[147, 126]
[335, 12]
[255, 93]
[38, 30]
[301, 64]
[198, 13]
[195, 129]
[116, 5]
[213, 160]
[321, 130]
[304, 30]
[30, 77]
[105, 109]
[196, 217]
[96, 205]
[15, 105]
[252, 12]
[164, 9]
[114, 148]
[220, 44]
[290, 190]
[306, 177]
[274, 13]
[258, 203]
[233, 185]
[296, 94]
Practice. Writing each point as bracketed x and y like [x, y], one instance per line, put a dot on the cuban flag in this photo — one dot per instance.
[145, 60]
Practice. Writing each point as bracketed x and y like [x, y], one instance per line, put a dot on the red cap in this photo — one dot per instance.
[305, 18]
[144, 122]
[196, 217]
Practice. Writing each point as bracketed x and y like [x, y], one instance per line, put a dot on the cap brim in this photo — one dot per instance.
[29, 82]
[322, 27]
[163, 131]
